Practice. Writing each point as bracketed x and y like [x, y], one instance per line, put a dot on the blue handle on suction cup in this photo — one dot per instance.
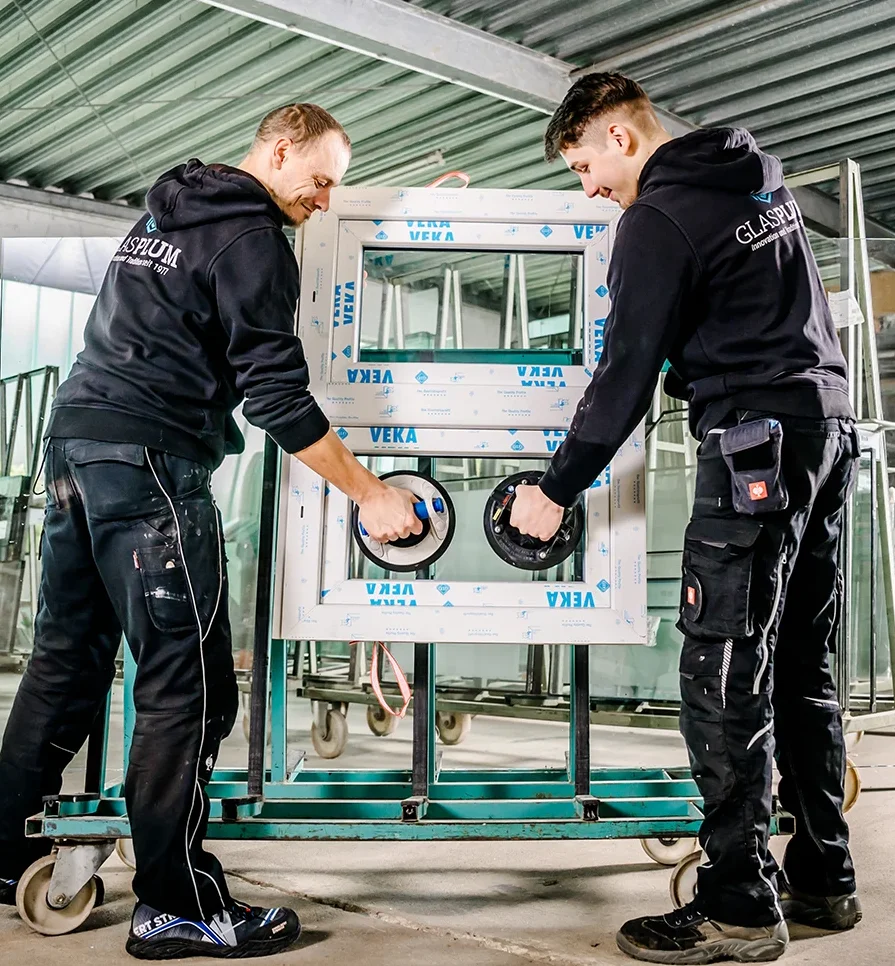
[420, 509]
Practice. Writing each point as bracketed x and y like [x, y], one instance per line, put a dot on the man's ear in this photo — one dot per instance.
[279, 152]
[620, 136]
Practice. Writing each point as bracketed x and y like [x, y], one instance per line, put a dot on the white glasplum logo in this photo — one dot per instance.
[769, 225]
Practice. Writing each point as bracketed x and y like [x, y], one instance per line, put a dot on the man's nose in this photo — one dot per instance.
[590, 189]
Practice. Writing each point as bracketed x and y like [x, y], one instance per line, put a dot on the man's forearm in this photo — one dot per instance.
[574, 467]
[331, 459]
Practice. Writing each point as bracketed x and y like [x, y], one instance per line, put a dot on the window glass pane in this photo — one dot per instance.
[431, 305]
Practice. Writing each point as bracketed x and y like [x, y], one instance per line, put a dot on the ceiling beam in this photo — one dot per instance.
[446, 49]
[402, 34]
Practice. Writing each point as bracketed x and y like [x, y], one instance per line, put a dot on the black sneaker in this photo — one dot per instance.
[687, 935]
[821, 912]
[238, 932]
[8, 892]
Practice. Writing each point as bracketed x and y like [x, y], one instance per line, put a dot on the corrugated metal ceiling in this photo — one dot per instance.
[100, 97]
[813, 81]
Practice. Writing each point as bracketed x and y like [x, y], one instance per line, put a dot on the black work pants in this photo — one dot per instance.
[132, 540]
[759, 612]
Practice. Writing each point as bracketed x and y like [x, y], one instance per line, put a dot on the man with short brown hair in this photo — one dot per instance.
[712, 270]
[195, 315]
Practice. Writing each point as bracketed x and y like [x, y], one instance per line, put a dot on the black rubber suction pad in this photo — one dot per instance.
[518, 549]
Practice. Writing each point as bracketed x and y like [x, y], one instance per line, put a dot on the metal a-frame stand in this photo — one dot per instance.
[853, 311]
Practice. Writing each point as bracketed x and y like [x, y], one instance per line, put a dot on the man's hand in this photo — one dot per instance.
[385, 511]
[388, 514]
[535, 514]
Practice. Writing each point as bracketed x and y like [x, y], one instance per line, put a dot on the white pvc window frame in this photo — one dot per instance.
[316, 598]
[444, 394]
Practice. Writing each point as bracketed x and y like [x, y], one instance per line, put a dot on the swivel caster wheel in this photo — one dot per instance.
[124, 849]
[332, 742]
[852, 785]
[33, 906]
[684, 879]
[669, 851]
[380, 722]
[452, 727]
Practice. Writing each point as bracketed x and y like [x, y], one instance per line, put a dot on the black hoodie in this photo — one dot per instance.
[195, 314]
[712, 270]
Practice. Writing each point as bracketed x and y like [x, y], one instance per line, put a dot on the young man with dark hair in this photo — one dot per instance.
[712, 271]
[195, 315]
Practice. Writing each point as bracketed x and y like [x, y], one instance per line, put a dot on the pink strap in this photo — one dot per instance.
[400, 677]
[459, 175]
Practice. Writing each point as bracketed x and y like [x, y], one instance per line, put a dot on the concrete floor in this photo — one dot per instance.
[456, 904]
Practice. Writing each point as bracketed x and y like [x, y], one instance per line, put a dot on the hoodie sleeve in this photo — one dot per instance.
[652, 271]
[255, 282]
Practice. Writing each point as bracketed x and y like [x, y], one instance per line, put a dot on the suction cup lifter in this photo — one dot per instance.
[519, 550]
[419, 550]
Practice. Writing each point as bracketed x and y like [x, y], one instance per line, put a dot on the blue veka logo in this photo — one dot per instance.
[393, 434]
[151, 224]
[390, 594]
[766, 196]
[570, 598]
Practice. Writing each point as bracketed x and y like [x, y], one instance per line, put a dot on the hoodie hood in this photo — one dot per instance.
[727, 159]
[194, 194]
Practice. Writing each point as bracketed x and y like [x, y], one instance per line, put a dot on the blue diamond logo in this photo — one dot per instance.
[347, 352]
[517, 446]
[603, 586]
[421, 377]
[512, 432]
[341, 432]
[381, 236]
[151, 225]
[333, 355]
[602, 291]
[443, 589]
[323, 593]
[447, 603]
[377, 221]
[546, 231]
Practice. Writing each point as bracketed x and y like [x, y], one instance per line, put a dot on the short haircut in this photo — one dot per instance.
[302, 123]
[590, 97]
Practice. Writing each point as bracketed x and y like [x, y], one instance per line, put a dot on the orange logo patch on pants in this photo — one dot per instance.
[758, 491]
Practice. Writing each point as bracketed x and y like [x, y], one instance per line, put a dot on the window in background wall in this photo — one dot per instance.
[41, 327]
[44, 326]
